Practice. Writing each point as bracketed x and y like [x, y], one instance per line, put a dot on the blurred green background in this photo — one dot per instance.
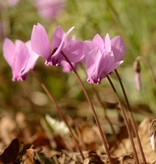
[133, 20]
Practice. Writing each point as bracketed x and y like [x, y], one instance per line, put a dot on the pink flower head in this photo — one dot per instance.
[102, 56]
[49, 9]
[12, 3]
[20, 57]
[60, 43]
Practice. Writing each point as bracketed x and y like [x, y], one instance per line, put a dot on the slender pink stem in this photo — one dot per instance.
[103, 138]
[134, 124]
[105, 112]
[125, 119]
[59, 111]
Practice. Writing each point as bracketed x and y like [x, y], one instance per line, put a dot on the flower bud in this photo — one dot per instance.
[137, 71]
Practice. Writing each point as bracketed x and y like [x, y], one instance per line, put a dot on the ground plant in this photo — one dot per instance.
[77, 81]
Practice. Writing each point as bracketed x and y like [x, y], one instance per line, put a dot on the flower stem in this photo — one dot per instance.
[134, 124]
[103, 138]
[105, 112]
[59, 111]
[125, 119]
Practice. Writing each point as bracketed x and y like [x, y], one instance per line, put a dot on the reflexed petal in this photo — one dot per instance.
[98, 41]
[66, 66]
[107, 42]
[115, 65]
[92, 64]
[57, 56]
[106, 63]
[21, 59]
[118, 48]
[57, 37]
[74, 50]
[70, 30]
[32, 58]
[88, 46]
[9, 51]
[40, 42]
[64, 37]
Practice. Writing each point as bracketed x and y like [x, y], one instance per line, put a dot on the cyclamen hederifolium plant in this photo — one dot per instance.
[99, 55]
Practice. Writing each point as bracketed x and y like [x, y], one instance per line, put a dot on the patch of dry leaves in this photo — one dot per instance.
[29, 143]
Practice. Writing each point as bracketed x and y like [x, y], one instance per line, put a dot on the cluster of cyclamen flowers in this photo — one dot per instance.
[99, 55]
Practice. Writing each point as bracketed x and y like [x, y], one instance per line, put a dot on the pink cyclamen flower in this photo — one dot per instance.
[20, 57]
[61, 43]
[49, 9]
[12, 3]
[102, 56]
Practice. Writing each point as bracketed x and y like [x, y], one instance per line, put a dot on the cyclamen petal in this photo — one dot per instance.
[92, 60]
[57, 43]
[31, 60]
[106, 64]
[107, 43]
[40, 42]
[97, 40]
[20, 60]
[88, 46]
[66, 66]
[63, 39]
[74, 50]
[71, 48]
[9, 51]
[118, 48]
[57, 37]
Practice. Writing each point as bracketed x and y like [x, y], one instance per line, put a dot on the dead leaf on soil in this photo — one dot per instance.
[10, 153]
[144, 134]
[28, 157]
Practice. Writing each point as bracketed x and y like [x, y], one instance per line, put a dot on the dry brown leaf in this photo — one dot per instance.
[10, 153]
[60, 143]
[7, 129]
[40, 140]
[93, 158]
[28, 158]
[125, 146]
